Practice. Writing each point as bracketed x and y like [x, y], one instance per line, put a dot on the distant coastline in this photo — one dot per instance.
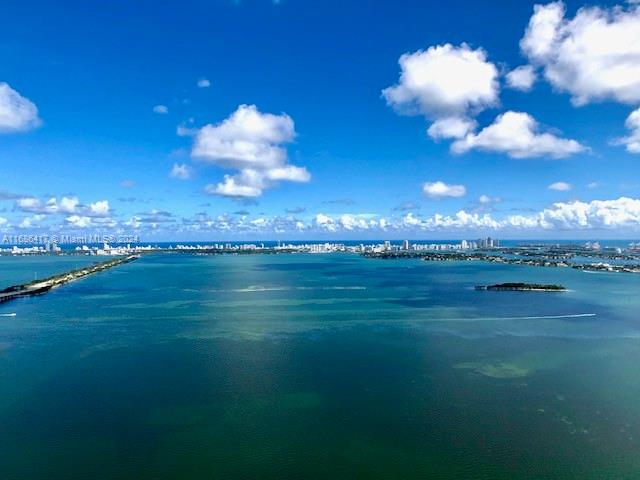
[590, 256]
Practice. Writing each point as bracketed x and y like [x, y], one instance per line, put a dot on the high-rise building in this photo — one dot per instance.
[487, 242]
[405, 245]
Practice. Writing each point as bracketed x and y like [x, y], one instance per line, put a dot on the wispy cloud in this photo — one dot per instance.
[406, 206]
[181, 171]
[295, 210]
[560, 186]
[340, 201]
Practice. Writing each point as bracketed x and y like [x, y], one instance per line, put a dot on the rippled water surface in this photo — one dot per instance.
[320, 366]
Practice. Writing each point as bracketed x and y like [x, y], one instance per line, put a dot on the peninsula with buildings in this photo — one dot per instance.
[590, 256]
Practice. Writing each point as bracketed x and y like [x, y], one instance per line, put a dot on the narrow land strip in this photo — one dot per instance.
[39, 287]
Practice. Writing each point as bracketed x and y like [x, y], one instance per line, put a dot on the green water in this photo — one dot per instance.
[321, 366]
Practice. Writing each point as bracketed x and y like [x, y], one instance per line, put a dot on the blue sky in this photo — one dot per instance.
[255, 119]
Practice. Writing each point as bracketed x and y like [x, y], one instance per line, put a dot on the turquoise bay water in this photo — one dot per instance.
[320, 366]
[15, 270]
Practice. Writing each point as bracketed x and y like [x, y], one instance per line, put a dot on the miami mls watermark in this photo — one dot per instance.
[63, 239]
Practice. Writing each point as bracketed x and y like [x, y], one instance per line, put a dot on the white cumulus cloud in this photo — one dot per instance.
[252, 143]
[521, 78]
[615, 214]
[66, 205]
[348, 222]
[203, 83]
[440, 189]
[290, 173]
[181, 171]
[451, 127]
[30, 222]
[576, 215]
[98, 209]
[517, 135]
[325, 222]
[632, 141]
[161, 109]
[233, 186]
[594, 56]
[486, 199]
[446, 84]
[461, 220]
[17, 113]
[79, 221]
[69, 204]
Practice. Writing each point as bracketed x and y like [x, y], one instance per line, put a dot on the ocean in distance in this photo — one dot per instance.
[318, 366]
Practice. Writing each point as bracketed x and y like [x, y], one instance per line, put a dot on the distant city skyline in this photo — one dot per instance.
[264, 120]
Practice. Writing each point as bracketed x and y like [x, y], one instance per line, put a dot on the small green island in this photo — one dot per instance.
[522, 287]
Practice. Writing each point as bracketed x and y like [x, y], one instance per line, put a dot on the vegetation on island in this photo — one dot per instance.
[519, 286]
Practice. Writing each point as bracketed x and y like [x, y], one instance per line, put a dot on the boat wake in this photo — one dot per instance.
[536, 317]
[258, 288]
[7, 314]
